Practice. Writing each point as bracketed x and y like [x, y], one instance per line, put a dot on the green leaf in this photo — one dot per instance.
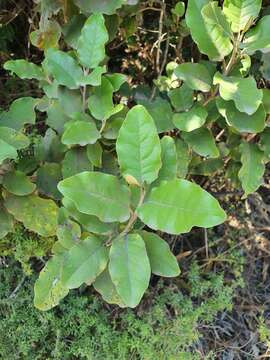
[244, 92]
[258, 37]
[240, 121]
[24, 69]
[107, 7]
[265, 67]
[98, 194]
[14, 138]
[89, 222]
[72, 30]
[183, 157]
[240, 12]
[202, 142]
[47, 37]
[49, 289]
[162, 260]
[80, 133]
[57, 117]
[217, 27]
[265, 142]
[138, 146]
[18, 183]
[91, 43]
[84, 262]
[168, 169]
[181, 98]
[178, 205]
[266, 101]
[48, 176]
[7, 151]
[100, 102]
[21, 112]
[192, 119]
[63, 68]
[75, 162]
[161, 111]
[129, 268]
[252, 170]
[201, 33]
[71, 101]
[68, 234]
[196, 76]
[38, 215]
[6, 223]
[179, 9]
[104, 285]
[94, 154]
[207, 167]
[95, 77]
[117, 80]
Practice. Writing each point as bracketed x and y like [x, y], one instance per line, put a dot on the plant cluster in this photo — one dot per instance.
[112, 164]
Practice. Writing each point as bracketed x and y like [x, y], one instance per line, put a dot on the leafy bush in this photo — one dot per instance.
[82, 328]
[110, 162]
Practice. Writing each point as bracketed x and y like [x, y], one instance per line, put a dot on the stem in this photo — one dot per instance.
[134, 216]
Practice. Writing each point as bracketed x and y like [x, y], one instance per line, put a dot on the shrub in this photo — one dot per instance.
[104, 172]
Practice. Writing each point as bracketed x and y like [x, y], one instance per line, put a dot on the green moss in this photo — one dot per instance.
[83, 327]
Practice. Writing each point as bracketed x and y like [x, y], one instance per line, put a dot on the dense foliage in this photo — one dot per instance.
[110, 162]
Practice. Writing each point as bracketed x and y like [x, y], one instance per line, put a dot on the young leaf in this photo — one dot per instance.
[168, 169]
[192, 119]
[36, 214]
[21, 112]
[91, 43]
[84, 262]
[217, 27]
[178, 205]
[18, 183]
[75, 162]
[200, 32]
[14, 138]
[162, 260]
[130, 280]
[104, 285]
[240, 12]
[196, 76]
[6, 151]
[80, 133]
[100, 103]
[258, 37]
[252, 170]
[49, 289]
[244, 92]
[202, 142]
[97, 194]
[95, 77]
[63, 68]
[90, 223]
[240, 121]
[138, 146]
